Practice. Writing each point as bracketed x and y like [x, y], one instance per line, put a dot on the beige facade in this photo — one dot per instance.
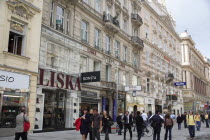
[20, 27]
[161, 57]
[196, 74]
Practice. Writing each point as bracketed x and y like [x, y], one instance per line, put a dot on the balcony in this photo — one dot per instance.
[136, 19]
[111, 23]
[172, 97]
[105, 85]
[169, 77]
[73, 1]
[137, 42]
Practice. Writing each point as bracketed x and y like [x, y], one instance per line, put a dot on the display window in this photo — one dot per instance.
[10, 103]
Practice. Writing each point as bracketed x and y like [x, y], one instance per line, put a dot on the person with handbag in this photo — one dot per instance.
[22, 125]
[84, 128]
[107, 122]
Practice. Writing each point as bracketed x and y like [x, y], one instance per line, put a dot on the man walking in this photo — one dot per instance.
[128, 122]
[184, 119]
[145, 117]
[156, 123]
[119, 122]
[139, 124]
[96, 125]
[191, 124]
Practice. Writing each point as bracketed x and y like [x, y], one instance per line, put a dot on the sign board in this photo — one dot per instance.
[14, 80]
[180, 84]
[90, 77]
[89, 94]
[135, 88]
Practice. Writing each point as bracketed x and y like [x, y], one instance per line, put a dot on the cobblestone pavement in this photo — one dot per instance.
[183, 134]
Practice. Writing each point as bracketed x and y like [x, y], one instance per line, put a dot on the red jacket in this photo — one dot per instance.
[77, 124]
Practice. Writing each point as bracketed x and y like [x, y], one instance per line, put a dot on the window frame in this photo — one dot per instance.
[60, 16]
[97, 39]
[84, 30]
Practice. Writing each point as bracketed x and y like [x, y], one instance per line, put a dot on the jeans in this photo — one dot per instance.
[95, 134]
[191, 130]
[207, 123]
[127, 126]
[23, 136]
[106, 131]
[157, 133]
[179, 126]
[198, 125]
[168, 129]
[139, 131]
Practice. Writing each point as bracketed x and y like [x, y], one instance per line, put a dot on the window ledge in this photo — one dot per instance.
[15, 55]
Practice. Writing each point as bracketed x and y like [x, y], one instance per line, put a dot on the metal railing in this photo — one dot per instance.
[136, 39]
[109, 18]
[137, 18]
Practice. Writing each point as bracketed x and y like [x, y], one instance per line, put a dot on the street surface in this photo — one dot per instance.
[183, 134]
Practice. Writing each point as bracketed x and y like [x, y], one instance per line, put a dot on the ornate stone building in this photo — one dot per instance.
[196, 74]
[20, 27]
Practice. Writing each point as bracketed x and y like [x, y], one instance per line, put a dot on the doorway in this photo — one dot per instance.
[134, 110]
[54, 109]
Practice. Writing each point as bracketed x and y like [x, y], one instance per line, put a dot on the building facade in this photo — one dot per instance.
[20, 27]
[161, 59]
[196, 75]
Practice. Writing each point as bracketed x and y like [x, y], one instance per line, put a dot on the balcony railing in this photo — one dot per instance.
[170, 77]
[137, 41]
[109, 18]
[171, 97]
[137, 19]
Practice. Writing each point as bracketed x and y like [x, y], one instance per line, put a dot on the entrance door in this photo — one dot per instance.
[54, 109]
[134, 110]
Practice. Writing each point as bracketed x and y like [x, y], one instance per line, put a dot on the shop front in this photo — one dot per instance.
[89, 100]
[14, 93]
[134, 103]
[150, 104]
[158, 105]
[57, 103]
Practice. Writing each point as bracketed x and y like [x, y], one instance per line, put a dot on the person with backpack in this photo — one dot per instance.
[179, 121]
[207, 120]
[156, 123]
[168, 125]
[191, 124]
[20, 125]
[139, 124]
[198, 121]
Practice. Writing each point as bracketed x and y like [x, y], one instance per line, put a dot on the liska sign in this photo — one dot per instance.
[58, 80]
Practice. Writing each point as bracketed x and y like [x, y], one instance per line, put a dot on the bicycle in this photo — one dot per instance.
[147, 131]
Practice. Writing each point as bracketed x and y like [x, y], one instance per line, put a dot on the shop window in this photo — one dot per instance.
[60, 19]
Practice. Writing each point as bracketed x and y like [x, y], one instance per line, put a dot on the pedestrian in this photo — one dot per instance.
[139, 124]
[184, 119]
[119, 122]
[145, 117]
[19, 130]
[168, 125]
[96, 125]
[85, 121]
[179, 121]
[198, 121]
[173, 117]
[203, 117]
[90, 128]
[128, 123]
[149, 115]
[207, 120]
[107, 122]
[156, 124]
[191, 124]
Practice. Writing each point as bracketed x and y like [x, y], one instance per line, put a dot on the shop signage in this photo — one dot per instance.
[89, 94]
[180, 84]
[90, 77]
[135, 88]
[59, 80]
[14, 80]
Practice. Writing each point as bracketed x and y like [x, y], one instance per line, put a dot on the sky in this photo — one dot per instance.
[193, 16]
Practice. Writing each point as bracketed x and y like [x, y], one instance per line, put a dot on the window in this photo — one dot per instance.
[84, 31]
[16, 38]
[125, 3]
[83, 64]
[125, 54]
[135, 60]
[117, 49]
[60, 19]
[52, 14]
[125, 22]
[135, 32]
[147, 57]
[97, 38]
[98, 5]
[67, 23]
[146, 32]
[108, 73]
[107, 44]
[134, 80]
[124, 78]
[86, 1]
[148, 85]
[96, 66]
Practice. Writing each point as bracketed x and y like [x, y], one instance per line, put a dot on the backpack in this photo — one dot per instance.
[168, 122]
[156, 121]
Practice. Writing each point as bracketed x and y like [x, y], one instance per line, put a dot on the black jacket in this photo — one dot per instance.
[130, 119]
[139, 122]
[183, 117]
[179, 119]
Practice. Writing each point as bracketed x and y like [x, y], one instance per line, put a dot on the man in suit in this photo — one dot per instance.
[128, 123]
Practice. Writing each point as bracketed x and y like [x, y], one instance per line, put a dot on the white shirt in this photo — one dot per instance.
[128, 118]
[144, 116]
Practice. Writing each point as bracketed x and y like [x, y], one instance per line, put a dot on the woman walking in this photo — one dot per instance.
[179, 121]
[168, 125]
[84, 128]
[106, 123]
[198, 121]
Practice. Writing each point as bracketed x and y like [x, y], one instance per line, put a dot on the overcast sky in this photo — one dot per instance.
[193, 15]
